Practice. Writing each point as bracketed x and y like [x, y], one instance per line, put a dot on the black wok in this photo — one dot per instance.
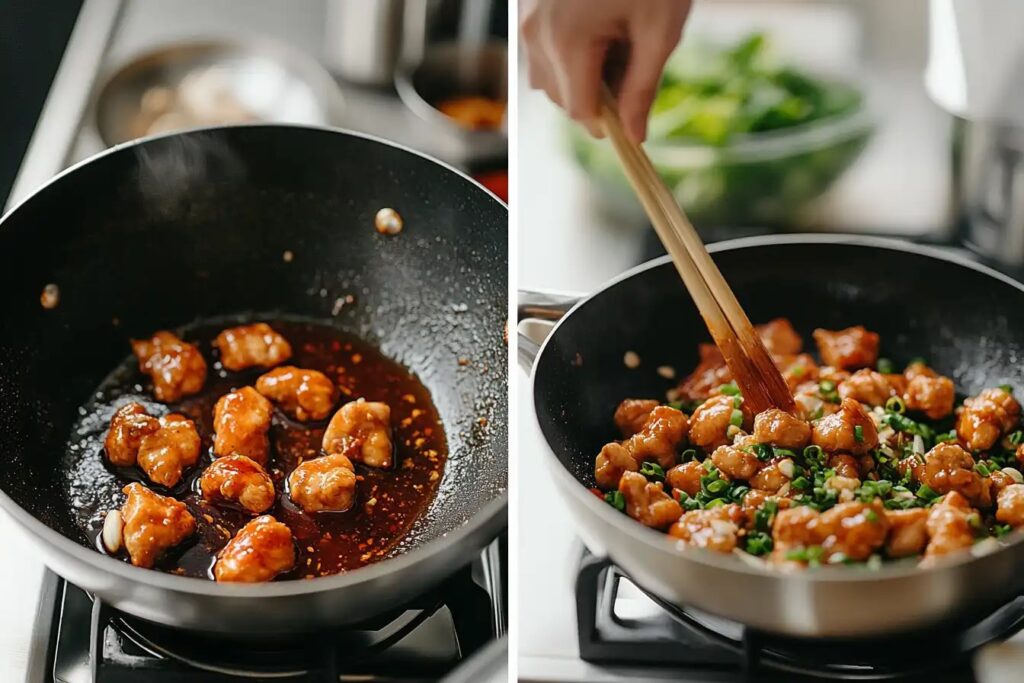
[159, 233]
[964, 318]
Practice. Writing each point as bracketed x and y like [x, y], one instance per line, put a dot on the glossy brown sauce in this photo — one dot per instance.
[389, 501]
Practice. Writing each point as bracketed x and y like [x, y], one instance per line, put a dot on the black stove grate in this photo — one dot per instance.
[691, 641]
[422, 641]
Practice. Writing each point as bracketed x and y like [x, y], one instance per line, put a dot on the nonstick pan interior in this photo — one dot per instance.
[254, 221]
[963, 322]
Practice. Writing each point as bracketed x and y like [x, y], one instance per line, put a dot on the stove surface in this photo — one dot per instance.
[425, 640]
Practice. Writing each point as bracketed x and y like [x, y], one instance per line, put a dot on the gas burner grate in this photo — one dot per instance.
[621, 624]
[421, 641]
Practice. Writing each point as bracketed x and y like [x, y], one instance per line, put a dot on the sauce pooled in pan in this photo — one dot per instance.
[388, 501]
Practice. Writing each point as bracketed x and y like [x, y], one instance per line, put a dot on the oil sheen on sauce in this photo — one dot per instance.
[389, 501]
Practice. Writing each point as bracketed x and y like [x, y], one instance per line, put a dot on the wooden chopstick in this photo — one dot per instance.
[749, 362]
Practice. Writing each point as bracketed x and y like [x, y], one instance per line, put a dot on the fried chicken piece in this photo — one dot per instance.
[152, 524]
[715, 529]
[933, 396]
[177, 368]
[737, 461]
[361, 430]
[868, 386]
[710, 373]
[659, 437]
[709, 424]
[1000, 480]
[166, 453]
[854, 529]
[949, 527]
[845, 465]
[323, 484]
[686, 477]
[162, 447]
[241, 420]
[260, 550]
[1010, 505]
[238, 479]
[779, 428]
[253, 345]
[303, 394]
[850, 430]
[779, 337]
[772, 476]
[849, 349]
[908, 532]
[796, 370]
[612, 461]
[791, 530]
[986, 417]
[948, 467]
[647, 502]
[129, 425]
[631, 415]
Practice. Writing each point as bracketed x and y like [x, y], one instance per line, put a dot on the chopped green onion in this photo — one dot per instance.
[917, 361]
[759, 543]
[810, 554]
[737, 401]
[717, 486]
[797, 371]
[1007, 388]
[814, 454]
[885, 366]
[895, 404]
[948, 436]
[616, 500]
[715, 503]
[1016, 437]
[925, 493]
[858, 433]
[871, 515]
[678, 405]
[736, 419]
[652, 470]
[738, 493]
[827, 391]
[982, 469]
[764, 517]
[729, 389]
[1000, 530]
[685, 500]
[762, 451]
[800, 483]
[688, 455]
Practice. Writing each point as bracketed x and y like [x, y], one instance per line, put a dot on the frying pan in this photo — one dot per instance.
[963, 317]
[159, 233]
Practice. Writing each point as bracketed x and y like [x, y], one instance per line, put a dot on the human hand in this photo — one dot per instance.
[568, 41]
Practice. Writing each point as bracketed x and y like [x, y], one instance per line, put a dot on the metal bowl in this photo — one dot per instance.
[449, 69]
[191, 85]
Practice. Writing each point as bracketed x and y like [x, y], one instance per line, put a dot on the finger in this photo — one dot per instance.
[649, 51]
[578, 73]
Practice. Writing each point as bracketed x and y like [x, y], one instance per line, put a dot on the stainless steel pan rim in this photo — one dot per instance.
[659, 541]
[488, 520]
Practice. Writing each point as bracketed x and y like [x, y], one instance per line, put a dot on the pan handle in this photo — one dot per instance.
[538, 311]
